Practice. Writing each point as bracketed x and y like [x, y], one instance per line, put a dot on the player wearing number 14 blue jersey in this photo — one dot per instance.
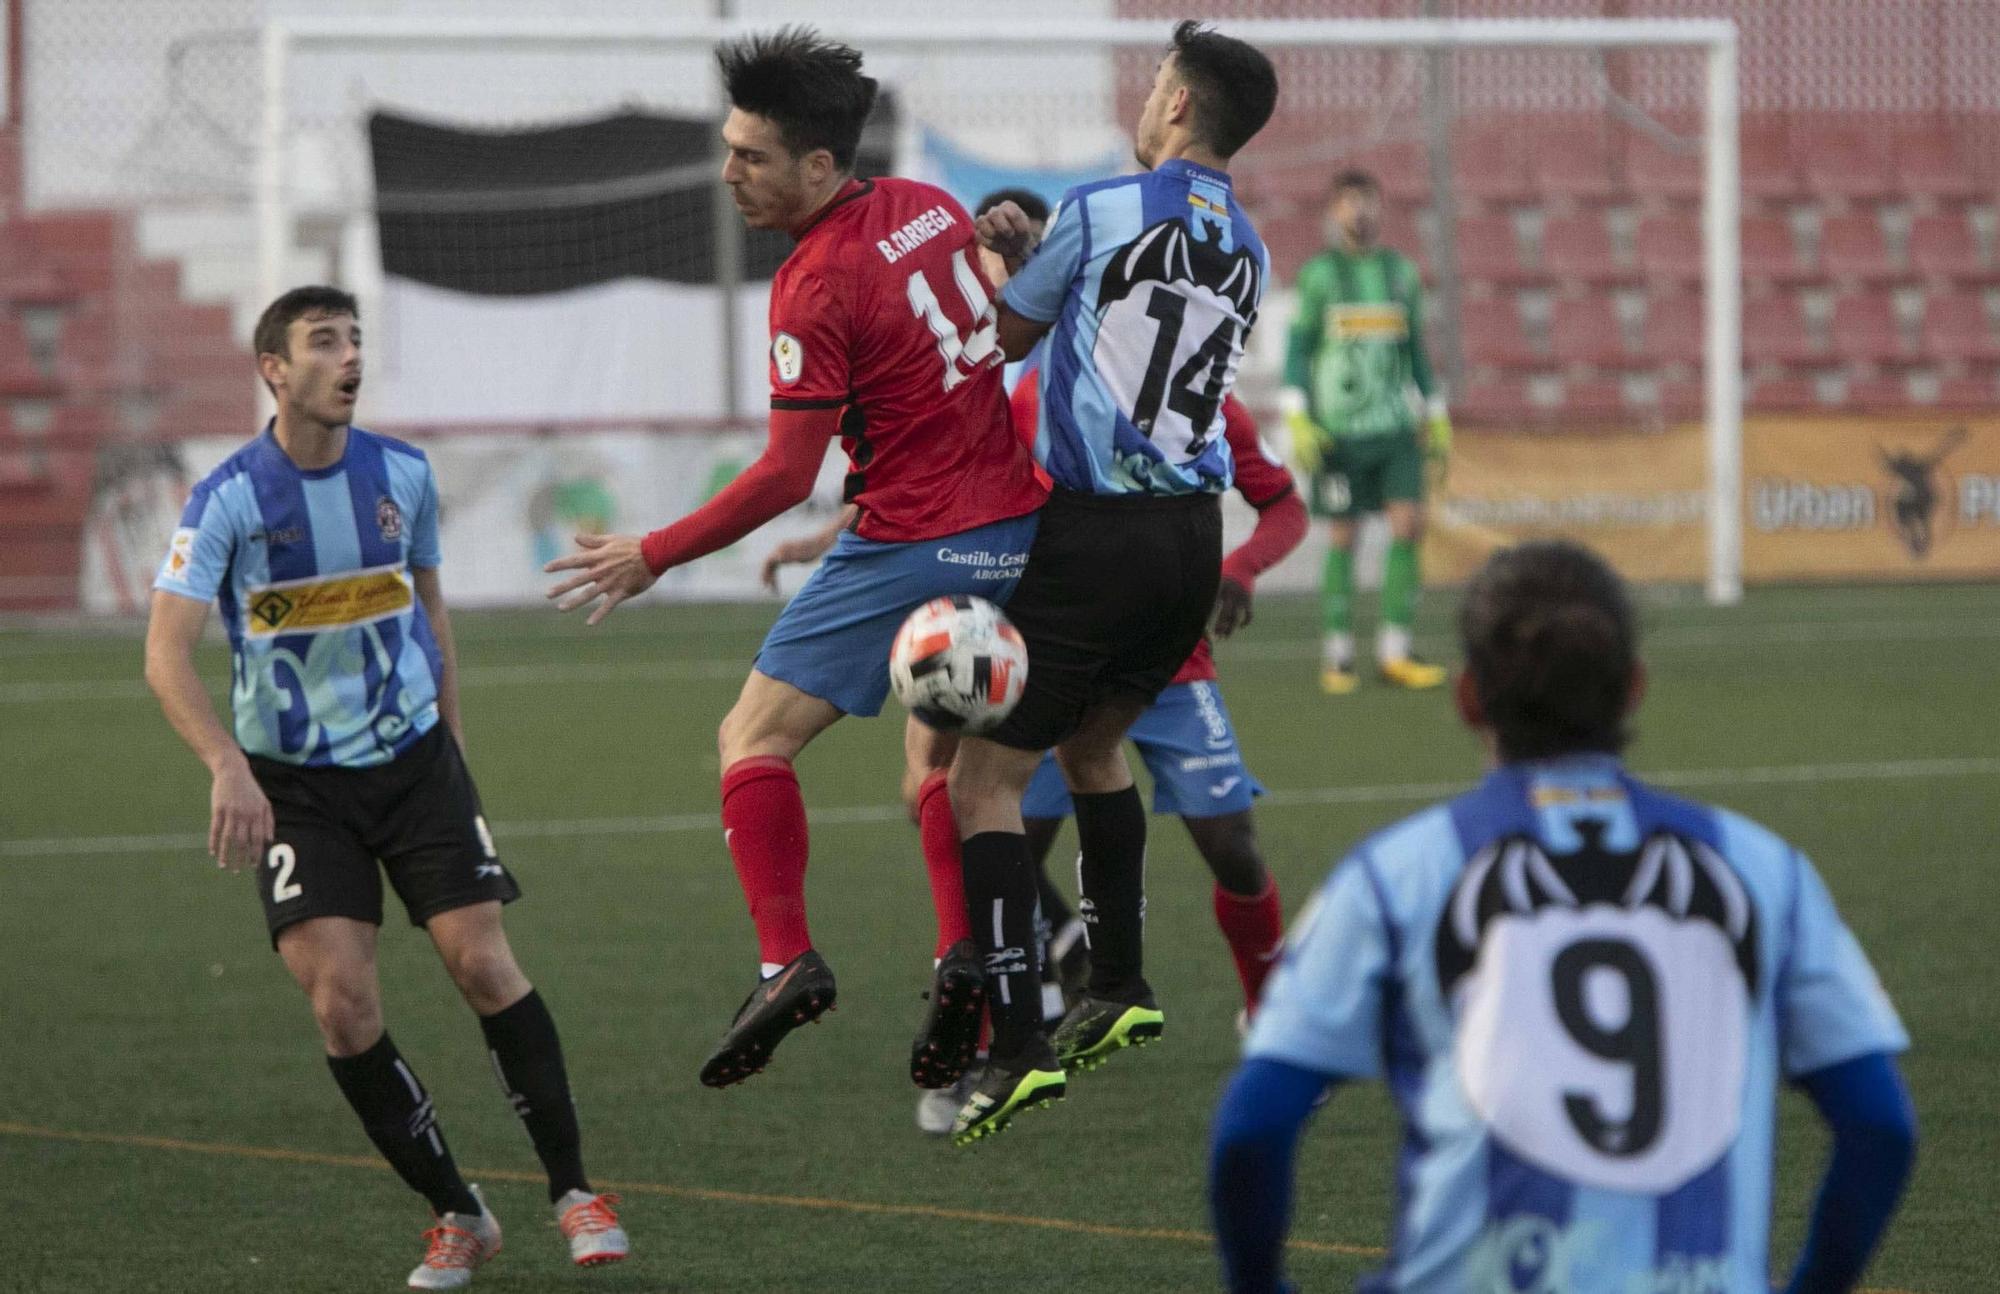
[1582, 993]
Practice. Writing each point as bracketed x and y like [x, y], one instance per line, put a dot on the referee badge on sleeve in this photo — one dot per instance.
[788, 357]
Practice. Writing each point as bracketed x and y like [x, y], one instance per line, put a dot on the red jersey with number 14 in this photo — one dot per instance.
[882, 311]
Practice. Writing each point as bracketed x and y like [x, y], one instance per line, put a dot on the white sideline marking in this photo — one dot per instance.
[858, 814]
[735, 668]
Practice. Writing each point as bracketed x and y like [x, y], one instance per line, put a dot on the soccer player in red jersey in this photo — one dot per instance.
[883, 333]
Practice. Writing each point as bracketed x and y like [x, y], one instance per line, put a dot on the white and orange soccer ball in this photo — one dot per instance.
[958, 664]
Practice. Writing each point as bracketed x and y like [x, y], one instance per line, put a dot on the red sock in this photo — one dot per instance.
[938, 830]
[1254, 925]
[764, 823]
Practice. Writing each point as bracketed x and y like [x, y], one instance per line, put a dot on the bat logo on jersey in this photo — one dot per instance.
[1683, 878]
[1603, 1001]
[388, 519]
[1169, 253]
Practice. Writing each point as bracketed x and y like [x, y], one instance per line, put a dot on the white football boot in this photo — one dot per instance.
[458, 1245]
[937, 1109]
[592, 1228]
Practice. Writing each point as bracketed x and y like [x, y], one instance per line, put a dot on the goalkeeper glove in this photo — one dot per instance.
[1438, 451]
[1308, 440]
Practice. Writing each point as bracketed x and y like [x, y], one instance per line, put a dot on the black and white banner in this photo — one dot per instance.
[564, 273]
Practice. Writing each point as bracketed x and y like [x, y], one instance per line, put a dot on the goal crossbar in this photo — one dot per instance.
[1721, 190]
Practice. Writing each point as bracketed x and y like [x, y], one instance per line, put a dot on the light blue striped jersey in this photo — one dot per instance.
[1582, 994]
[334, 662]
[1152, 283]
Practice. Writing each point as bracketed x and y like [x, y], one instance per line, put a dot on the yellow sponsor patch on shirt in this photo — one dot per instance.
[312, 606]
[1375, 321]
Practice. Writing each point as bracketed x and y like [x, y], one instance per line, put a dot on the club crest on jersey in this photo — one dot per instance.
[388, 519]
[788, 357]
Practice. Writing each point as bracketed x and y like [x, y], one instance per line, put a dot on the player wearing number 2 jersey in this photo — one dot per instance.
[883, 334]
[1582, 993]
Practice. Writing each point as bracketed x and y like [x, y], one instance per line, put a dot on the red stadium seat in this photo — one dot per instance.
[1495, 397]
[1579, 247]
[1594, 398]
[1930, 164]
[1785, 391]
[1663, 174]
[1942, 247]
[1586, 330]
[1487, 249]
[1490, 165]
[1971, 391]
[1879, 391]
[1768, 251]
[1399, 166]
[1865, 328]
[1682, 398]
[1852, 247]
[1959, 328]
[1765, 157]
[1493, 334]
[1673, 329]
[1845, 161]
[1669, 249]
[1572, 160]
[1774, 331]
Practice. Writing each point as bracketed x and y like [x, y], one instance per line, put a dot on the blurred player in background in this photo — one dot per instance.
[1582, 993]
[1150, 283]
[1354, 355]
[883, 334]
[320, 541]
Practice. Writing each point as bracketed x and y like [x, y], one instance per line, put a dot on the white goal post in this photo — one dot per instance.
[284, 38]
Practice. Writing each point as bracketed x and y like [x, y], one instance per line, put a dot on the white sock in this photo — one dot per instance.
[766, 970]
[1337, 649]
[1392, 642]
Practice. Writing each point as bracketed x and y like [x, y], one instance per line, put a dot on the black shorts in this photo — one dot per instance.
[418, 814]
[1117, 592]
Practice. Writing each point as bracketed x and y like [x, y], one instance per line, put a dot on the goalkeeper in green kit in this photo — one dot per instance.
[1352, 359]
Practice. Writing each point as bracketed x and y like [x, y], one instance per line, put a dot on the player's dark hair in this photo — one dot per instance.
[1550, 642]
[1032, 204]
[811, 87]
[1354, 178]
[1234, 87]
[272, 336]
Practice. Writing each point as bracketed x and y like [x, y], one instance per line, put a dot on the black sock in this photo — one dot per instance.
[1000, 900]
[1111, 830]
[528, 1061]
[397, 1115]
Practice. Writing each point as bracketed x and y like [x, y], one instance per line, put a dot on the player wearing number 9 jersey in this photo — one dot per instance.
[883, 334]
[1582, 993]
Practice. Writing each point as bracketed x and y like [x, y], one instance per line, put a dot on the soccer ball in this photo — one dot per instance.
[958, 665]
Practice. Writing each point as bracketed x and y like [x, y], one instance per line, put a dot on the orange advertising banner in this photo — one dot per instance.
[1904, 497]
[1636, 497]
[1857, 497]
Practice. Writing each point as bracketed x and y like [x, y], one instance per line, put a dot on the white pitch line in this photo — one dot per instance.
[724, 669]
[857, 814]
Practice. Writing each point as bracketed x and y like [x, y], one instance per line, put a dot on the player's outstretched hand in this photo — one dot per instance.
[1006, 230]
[1232, 607]
[239, 818]
[612, 568]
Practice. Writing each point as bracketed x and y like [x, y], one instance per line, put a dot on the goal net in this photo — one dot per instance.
[529, 211]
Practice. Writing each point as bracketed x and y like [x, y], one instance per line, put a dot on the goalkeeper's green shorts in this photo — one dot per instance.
[1362, 473]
